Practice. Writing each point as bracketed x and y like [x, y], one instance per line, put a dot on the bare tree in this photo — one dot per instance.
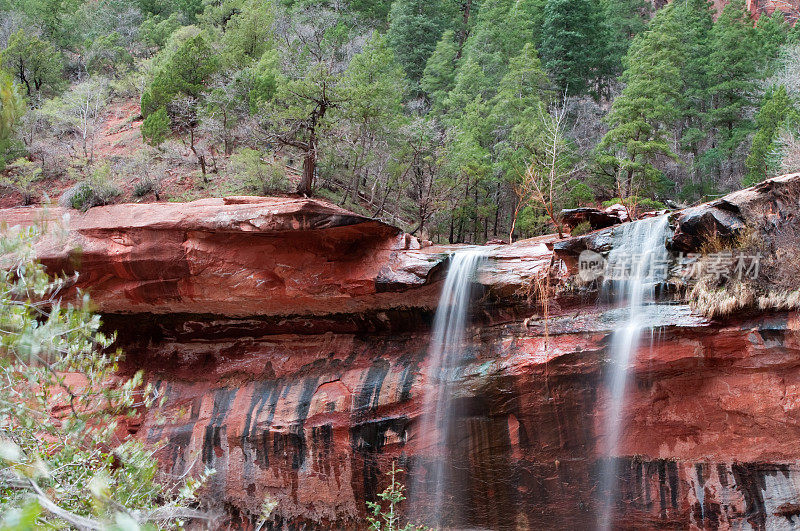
[788, 152]
[548, 174]
[184, 117]
[84, 103]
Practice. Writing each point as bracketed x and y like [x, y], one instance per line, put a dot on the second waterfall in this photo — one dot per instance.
[637, 264]
[444, 356]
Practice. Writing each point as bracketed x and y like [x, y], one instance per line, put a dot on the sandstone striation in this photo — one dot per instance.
[289, 338]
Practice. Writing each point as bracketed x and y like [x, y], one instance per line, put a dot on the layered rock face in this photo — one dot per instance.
[290, 339]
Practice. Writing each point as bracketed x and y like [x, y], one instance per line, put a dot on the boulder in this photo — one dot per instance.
[597, 219]
[770, 203]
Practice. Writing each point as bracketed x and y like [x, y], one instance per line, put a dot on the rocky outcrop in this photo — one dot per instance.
[232, 257]
[250, 257]
[773, 202]
[594, 217]
[789, 8]
[711, 429]
[289, 339]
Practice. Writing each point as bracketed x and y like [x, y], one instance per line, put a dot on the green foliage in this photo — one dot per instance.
[732, 70]
[575, 46]
[647, 105]
[772, 32]
[308, 93]
[155, 31]
[694, 21]
[35, 63]
[426, 114]
[376, 11]
[106, 55]
[775, 109]
[263, 77]
[12, 108]
[703, 190]
[248, 34]
[20, 177]
[388, 518]
[143, 187]
[502, 29]
[260, 176]
[61, 21]
[639, 204]
[518, 110]
[62, 401]
[544, 187]
[373, 86]
[624, 19]
[22, 518]
[182, 70]
[156, 127]
[523, 90]
[99, 189]
[415, 26]
[581, 228]
[578, 193]
[185, 9]
[439, 75]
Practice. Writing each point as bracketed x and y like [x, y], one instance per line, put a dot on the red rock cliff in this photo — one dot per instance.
[289, 338]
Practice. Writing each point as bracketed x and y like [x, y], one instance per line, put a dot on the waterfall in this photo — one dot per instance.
[444, 354]
[637, 263]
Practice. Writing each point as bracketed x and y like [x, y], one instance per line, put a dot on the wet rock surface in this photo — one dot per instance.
[290, 339]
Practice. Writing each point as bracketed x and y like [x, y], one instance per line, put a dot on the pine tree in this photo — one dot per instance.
[248, 35]
[575, 46]
[502, 29]
[517, 112]
[440, 70]
[732, 69]
[693, 19]
[181, 72]
[773, 32]
[774, 111]
[642, 113]
[471, 84]
[415, 26]
[625, 19]
[468, 159]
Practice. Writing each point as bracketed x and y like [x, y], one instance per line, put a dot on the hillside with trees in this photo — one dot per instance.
[459, 121]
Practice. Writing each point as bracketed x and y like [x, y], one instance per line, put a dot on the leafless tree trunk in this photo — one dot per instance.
[546, 176]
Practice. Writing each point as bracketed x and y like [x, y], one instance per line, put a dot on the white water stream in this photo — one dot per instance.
[445, 352]
[637, 263]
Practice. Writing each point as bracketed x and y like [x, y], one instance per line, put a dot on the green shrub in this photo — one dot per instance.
[262, 177]
[143, 187]
[579, 193]
[641, 204]
[581, 228]
[156, 127]
[20, 176]
[70, 467]
[98, 190]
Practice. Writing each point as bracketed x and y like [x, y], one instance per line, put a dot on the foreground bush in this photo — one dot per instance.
[65, 462]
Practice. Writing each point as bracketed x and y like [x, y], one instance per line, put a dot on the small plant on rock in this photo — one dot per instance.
[388, 519]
